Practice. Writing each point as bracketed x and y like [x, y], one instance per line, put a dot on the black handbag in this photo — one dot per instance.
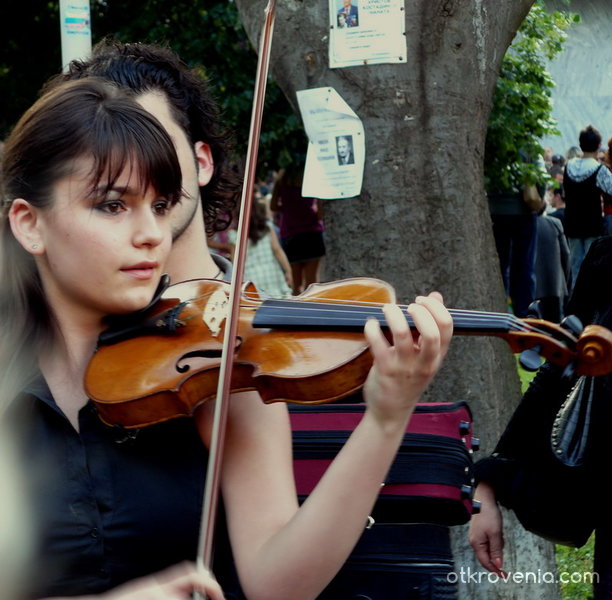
[550, 489]
[553, 458]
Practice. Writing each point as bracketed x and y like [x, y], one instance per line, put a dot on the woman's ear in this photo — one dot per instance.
[204, 162]
[23, 218]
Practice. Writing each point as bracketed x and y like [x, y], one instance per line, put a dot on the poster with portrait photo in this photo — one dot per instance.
[366, 32]
[336, 149]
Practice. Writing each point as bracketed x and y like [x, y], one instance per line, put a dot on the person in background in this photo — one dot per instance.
[557, 203]
[591, 302]
[301, 228]
[557, 167]
[547, 154]
[266, 263]
[607, 198]
[514, 230]
[584, 181]
[552, 269]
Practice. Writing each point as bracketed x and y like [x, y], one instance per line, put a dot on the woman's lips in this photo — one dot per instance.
[144, 270]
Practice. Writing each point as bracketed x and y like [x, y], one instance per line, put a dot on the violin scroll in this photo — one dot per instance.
[585, 351]
[594, 351]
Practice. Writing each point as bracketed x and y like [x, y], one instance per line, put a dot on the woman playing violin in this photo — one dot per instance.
[91, 180]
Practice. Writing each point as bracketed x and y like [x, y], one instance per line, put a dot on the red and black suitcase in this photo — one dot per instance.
[431, 478]
[406, 553]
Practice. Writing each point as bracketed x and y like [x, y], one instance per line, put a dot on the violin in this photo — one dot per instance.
[308, 349]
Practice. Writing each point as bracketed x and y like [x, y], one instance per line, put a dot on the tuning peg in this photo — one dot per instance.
[476, 507]
[475, 444]
[568, 372]
[530, 359]
[572, 324]
[534, 310]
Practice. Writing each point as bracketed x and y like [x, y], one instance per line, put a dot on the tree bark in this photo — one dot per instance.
[422, 220]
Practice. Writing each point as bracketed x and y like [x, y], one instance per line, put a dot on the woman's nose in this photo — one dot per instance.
[150, 229]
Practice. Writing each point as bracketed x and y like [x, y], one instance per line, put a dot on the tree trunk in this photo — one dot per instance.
[422, 221]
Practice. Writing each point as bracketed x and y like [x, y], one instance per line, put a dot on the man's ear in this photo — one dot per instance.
[24, 220]
[205, 163]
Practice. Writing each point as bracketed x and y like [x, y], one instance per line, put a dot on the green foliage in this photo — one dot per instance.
[207, 34]
[522, 108]
[576, 565]
[25, 29]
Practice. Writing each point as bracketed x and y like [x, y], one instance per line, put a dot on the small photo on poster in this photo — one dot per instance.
[348, 14]
[344, 150]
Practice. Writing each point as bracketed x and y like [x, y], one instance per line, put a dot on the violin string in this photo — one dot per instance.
[377, 305]
[372, 309]
[314, 314]
[464, 317]
[470, 317]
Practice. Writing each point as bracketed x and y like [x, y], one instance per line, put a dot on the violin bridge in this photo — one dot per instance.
[215, 311]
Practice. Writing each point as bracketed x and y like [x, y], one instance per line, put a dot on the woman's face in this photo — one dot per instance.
[102, 253]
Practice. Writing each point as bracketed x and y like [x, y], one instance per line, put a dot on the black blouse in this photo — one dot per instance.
[110, 505]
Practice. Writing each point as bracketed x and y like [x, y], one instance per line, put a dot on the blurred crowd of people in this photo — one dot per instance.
[540, 252]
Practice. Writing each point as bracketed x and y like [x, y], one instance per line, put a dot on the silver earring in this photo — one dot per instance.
[34, 246]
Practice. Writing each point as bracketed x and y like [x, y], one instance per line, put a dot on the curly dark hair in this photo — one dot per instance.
[144, 68]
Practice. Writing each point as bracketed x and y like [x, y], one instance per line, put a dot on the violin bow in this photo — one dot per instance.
[215, 458]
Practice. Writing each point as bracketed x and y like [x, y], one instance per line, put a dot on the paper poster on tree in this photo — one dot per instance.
[366, 32]
[336, 145]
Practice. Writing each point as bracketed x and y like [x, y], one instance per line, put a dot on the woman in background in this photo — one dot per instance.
[301, 228]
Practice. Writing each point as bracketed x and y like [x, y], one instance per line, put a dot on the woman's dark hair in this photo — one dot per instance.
[90, 120]
[258, 226]
[143, 68]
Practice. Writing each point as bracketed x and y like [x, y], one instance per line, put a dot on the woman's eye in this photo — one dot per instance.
[112, 207]
[162, 207]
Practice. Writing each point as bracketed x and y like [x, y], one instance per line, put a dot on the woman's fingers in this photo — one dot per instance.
[178, 582]
[433, 330]
[406, 360]
[183, 579]
[443, 320]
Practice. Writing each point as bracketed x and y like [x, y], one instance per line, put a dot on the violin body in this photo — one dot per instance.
[151, 378]
[309, 349]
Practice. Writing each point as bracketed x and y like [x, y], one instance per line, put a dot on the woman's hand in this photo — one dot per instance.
[486, 531]
[175, 583]
[404, 368]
